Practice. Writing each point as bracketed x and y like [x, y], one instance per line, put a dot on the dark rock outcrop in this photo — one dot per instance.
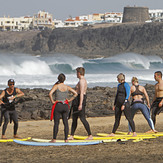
[103, 40]
[36, 104]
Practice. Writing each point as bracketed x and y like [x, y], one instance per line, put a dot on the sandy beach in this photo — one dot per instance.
[145, 151]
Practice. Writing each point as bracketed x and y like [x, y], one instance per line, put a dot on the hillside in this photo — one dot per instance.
[100, 40]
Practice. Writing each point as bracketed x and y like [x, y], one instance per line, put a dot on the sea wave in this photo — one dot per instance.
[13, 65]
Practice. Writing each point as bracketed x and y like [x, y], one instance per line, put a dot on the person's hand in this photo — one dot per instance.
[122, 107]
[12, 98]
[113, 107]
[53, 102]
[160, 104]
[68, 100]
[149, 106]
[1, 102]
[80, 107]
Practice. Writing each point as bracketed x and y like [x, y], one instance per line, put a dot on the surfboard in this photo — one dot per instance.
[72, 141]
[11, 140]
[155, 134]
[30, 143]
[60, 141]
[138, 135]
[116, 137]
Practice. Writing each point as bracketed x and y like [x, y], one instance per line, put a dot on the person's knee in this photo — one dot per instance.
[6, 121]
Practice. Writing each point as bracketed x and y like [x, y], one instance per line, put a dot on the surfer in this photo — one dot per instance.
[79, 103]
[137, 92]
[60, 105]
[121, 103]
[157, 105]
[7, 101]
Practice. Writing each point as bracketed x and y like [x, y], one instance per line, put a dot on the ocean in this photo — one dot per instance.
[41, 72]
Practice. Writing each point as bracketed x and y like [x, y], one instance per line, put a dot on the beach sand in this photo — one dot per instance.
[144, 151]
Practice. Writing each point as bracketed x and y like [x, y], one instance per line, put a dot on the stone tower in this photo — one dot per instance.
[135, 14]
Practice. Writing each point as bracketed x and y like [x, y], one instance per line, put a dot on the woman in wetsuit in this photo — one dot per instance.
[8, 111]
[137, 92]
[122, 104]
[60, 105]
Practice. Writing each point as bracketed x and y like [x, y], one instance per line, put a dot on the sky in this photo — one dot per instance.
[63, 9]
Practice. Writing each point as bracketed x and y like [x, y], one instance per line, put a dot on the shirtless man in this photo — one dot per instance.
[8, 111]
[79, 104]
[157, 105]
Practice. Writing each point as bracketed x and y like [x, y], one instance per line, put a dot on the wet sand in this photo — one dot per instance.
[145, 151]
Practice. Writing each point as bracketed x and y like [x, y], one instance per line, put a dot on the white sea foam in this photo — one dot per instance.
[41, 72]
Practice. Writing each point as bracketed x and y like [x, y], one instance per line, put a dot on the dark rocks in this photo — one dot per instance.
[35, 105]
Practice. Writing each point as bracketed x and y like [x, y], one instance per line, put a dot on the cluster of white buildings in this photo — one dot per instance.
[43, 19]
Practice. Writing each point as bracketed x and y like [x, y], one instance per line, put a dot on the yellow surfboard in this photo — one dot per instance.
[155, 134]
[106, 135]
[122, 137]
[11, 140]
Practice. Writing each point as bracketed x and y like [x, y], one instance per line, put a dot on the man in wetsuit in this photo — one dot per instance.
[79, 104]
[157, 105]
[121, 103]
[7, 101]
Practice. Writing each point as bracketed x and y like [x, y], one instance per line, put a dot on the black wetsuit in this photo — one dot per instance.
[8, 112]
[80, 114]
[61, 109]
[122, 93]
[156, 109]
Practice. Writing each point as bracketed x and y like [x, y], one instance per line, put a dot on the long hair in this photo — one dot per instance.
[61, 78]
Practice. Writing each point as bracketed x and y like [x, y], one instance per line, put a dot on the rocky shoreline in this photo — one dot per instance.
[35, 105]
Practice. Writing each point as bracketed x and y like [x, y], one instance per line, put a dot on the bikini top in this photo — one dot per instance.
[137, 91]
[61, 96]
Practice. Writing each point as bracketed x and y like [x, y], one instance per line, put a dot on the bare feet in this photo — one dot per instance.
[152, 131]
[134, 134]
[71, 137]
[111, 135]
[53, 141]
[16, 136]
[155, 131]
[4, 137]
[90, 137]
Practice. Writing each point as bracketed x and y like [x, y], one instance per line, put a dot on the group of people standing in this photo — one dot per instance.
[61, 104]
[137, 92]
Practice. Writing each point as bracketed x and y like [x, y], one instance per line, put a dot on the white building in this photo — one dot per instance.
[113, 17]
[58, 23]
[43, 19]
[15, 24]
[156, 15]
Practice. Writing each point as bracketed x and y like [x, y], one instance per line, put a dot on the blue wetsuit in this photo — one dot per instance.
[139, 105]
[123, 92]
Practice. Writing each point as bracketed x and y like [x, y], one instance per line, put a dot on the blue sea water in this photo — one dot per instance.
[41, 72]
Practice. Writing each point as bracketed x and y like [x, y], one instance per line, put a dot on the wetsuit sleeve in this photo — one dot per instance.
[127, 88]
